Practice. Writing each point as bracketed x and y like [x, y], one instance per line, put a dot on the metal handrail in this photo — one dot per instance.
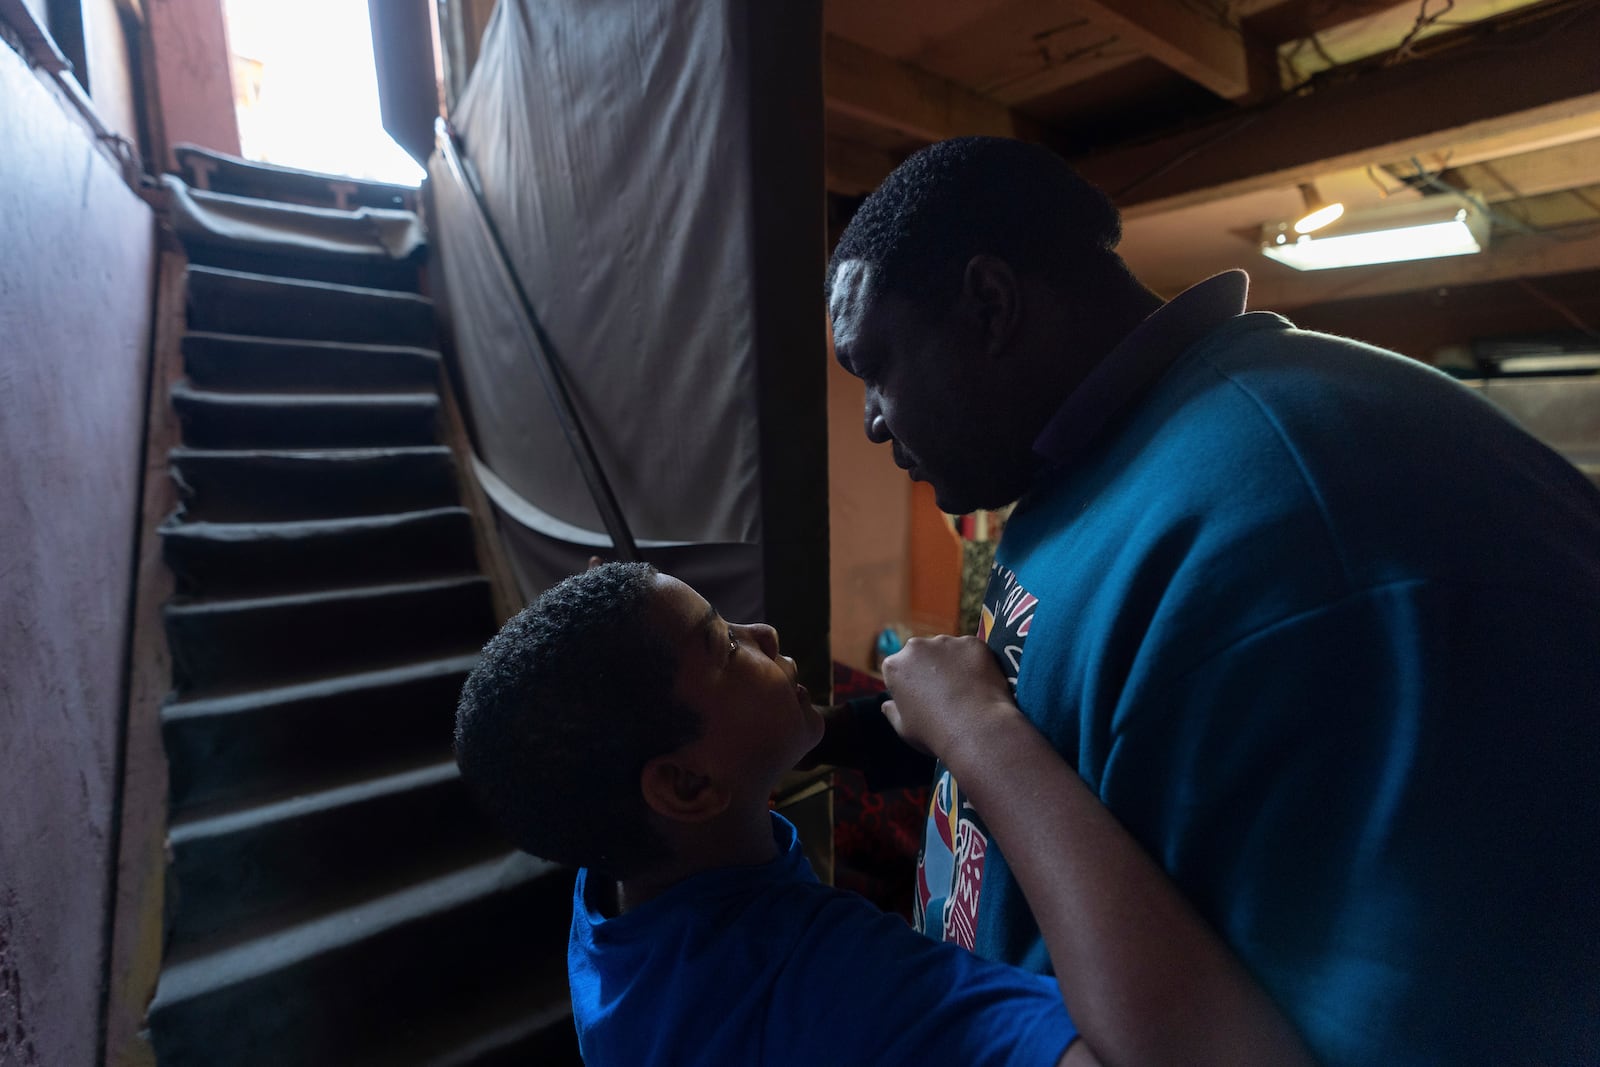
[545, 358]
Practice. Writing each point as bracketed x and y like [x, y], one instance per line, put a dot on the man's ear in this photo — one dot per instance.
[992, 297]
[675, 790]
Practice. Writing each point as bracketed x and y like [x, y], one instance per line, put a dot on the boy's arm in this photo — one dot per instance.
[1147, 981]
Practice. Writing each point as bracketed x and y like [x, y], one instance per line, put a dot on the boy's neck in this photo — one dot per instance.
[742, 839]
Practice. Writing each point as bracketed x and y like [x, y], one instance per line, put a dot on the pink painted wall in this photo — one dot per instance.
[194, 74]
[869, 509]
[75, 299]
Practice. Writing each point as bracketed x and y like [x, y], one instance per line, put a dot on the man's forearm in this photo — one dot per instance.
[1147, 981]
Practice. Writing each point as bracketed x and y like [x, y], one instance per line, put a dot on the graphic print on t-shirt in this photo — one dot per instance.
[955, 841]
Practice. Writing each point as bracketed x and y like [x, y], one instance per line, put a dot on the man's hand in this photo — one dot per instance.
[945, 691]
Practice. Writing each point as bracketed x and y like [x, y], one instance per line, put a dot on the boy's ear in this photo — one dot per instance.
[677, 791]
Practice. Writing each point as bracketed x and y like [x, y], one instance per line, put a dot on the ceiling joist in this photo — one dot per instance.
[1548, 170]
[883, 91]
[1201, 46]
[1535, 72]
[855, 169]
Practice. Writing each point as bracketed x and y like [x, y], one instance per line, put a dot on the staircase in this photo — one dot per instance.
[333, 897]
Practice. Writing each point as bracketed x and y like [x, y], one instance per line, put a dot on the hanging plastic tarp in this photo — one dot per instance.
[654, 172]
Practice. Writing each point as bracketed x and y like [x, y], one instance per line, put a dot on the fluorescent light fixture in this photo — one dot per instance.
[1430, 228]
[1567, 363]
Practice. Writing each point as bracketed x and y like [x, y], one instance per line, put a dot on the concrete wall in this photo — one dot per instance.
[75, 298]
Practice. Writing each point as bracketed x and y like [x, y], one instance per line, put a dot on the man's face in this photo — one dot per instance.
[930, 394]
[758, 720]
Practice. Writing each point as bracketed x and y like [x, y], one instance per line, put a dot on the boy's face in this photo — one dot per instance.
[758, 719]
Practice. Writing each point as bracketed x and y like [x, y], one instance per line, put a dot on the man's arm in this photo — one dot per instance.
[1147, 981]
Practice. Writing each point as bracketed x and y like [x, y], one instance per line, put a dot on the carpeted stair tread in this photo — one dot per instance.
[379, 973]
[518, 1027]
[224, 173]
[220, 361]
[305, 420]
[345, 246]
[222, 748]
[236, 643]
[262, 859]
[399, 275]
[242, 485]
[253, 557]
[263, 305]
[334, 897]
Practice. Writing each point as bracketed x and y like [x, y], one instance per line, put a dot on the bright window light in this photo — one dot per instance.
[307, 91]
[1415, 231]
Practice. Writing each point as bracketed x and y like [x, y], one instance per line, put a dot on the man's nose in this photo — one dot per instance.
[877, 428]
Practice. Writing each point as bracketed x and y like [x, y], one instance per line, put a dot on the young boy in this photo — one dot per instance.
[621, 725]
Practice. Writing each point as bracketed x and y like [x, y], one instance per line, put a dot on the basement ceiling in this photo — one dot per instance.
[1202, 117]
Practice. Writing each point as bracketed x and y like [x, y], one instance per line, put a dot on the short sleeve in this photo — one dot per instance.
[863, 989]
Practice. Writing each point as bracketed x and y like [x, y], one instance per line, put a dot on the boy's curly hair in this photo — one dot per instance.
[557, 720]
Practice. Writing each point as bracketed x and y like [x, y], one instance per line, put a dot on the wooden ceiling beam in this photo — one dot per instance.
[1537, 71]
[1548, 170]
[1517, 256]
[884, 92]
[1181, 36]
[855, 169]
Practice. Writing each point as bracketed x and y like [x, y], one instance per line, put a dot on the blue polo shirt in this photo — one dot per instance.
[764, 965]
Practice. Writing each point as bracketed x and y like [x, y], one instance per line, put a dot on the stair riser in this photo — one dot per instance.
[268, 488]
[379, 992]
[228, 757]
[372, 273]
[213, 363]
[432, 548]
[229, 879]
[216, 649]
[242, 426]
[306, 313]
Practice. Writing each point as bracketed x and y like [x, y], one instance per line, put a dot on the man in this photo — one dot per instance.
[1317, 624]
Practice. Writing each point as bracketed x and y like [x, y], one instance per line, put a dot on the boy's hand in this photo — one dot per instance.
[946, 691]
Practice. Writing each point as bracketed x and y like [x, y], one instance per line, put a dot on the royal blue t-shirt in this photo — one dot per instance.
[764, 965]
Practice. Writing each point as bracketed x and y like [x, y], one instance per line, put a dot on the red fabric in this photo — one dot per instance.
[876, 835]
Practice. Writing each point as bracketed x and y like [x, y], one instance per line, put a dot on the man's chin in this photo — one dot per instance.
[977, 492]
[958, 501]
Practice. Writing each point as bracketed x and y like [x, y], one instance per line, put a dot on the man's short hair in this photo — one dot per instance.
[566, 705]
[977, 196]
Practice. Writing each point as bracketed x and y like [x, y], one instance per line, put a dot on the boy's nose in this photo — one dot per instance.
[766, 639]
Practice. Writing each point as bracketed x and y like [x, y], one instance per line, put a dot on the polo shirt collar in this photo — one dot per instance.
[1138, 361]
